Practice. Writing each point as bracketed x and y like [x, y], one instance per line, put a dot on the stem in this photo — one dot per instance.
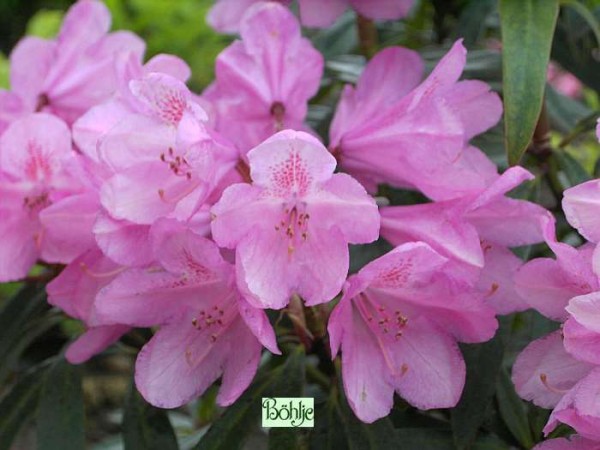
[318, 377]
[367, 36]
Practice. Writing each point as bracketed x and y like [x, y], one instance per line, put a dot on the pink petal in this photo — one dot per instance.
[579, 408]
[344, 203]
[19, 252]
[432, 368]
[497, 279]
[225, 15]
[32, 148]
[94, 341]
[581, 342]
[314, 13]
[544, 370]
[581, 204]
[124, 242]
[573, 442]
[258, 323]
[169, 64]
[74, 289]
[438, 224]
[239, 210]
[586, 310]
[547, 287]
[290, 161]
[383, 9]
[68, 226]
[366, 382]
[479, 108]
[30, 62]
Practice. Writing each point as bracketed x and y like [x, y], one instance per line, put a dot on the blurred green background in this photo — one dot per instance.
[167, 26]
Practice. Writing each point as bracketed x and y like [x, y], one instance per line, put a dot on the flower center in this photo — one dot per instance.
[294, 226]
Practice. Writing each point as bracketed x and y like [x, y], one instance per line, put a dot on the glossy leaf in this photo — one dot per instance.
[513, 410]
[60, 417]
[146, 427]
[483, 365]
[18, 405]
[527, 30]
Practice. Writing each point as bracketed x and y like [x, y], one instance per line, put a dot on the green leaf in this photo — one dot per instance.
[146, 427]
[21, 321]
[513, 410]
[565, 113]
[483, 365]
[424, 438]
[471, 24]
[60, 417]
[572, 169]
[527, 30]
[289, 384]
[19, 405]
[575, 45]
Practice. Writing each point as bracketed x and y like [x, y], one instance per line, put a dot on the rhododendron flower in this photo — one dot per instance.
[165, 161]
[387, 129]
[397, 325]
[74, 291]
[101, 118]
[226, 15]
[264, 81]
[475, 230]
[206, 327]
[564, 82]
[557, 372]
[292, 226]
[33, 151]
[69, 75]
[579, 408]
[570, 443]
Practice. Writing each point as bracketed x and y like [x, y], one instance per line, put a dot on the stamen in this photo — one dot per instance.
[551, 388]
[84, 267]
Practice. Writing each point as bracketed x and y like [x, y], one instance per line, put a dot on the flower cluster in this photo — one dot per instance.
[562, 370]
[194, 214]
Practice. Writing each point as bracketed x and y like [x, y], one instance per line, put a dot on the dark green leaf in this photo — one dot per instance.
[339, 39]
[289, 384]
[423, 438]
[60, 417]
[574, 46]
[573, 171]
[472, 20]
[564, 112]
[513, 410]
[483, 365]
[490, 442]
[146, 427]
[19, 405]
[527, 30]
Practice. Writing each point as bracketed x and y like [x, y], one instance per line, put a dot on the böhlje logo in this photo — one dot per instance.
[285, 412]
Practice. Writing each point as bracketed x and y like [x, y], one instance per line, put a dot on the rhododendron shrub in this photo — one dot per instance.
[339, 215]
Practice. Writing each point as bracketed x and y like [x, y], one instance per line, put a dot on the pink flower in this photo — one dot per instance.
[226, 15]
[33, 153]
[206, 327]
[162, 158]
[69, 75]
[571, 443]
[391, 129]
[101, 118]
[291, 227]
[474, 230]
[564, 82]
[74, 291]
[579, 408]
[264, 81]
[548, 285]
[397, 325]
